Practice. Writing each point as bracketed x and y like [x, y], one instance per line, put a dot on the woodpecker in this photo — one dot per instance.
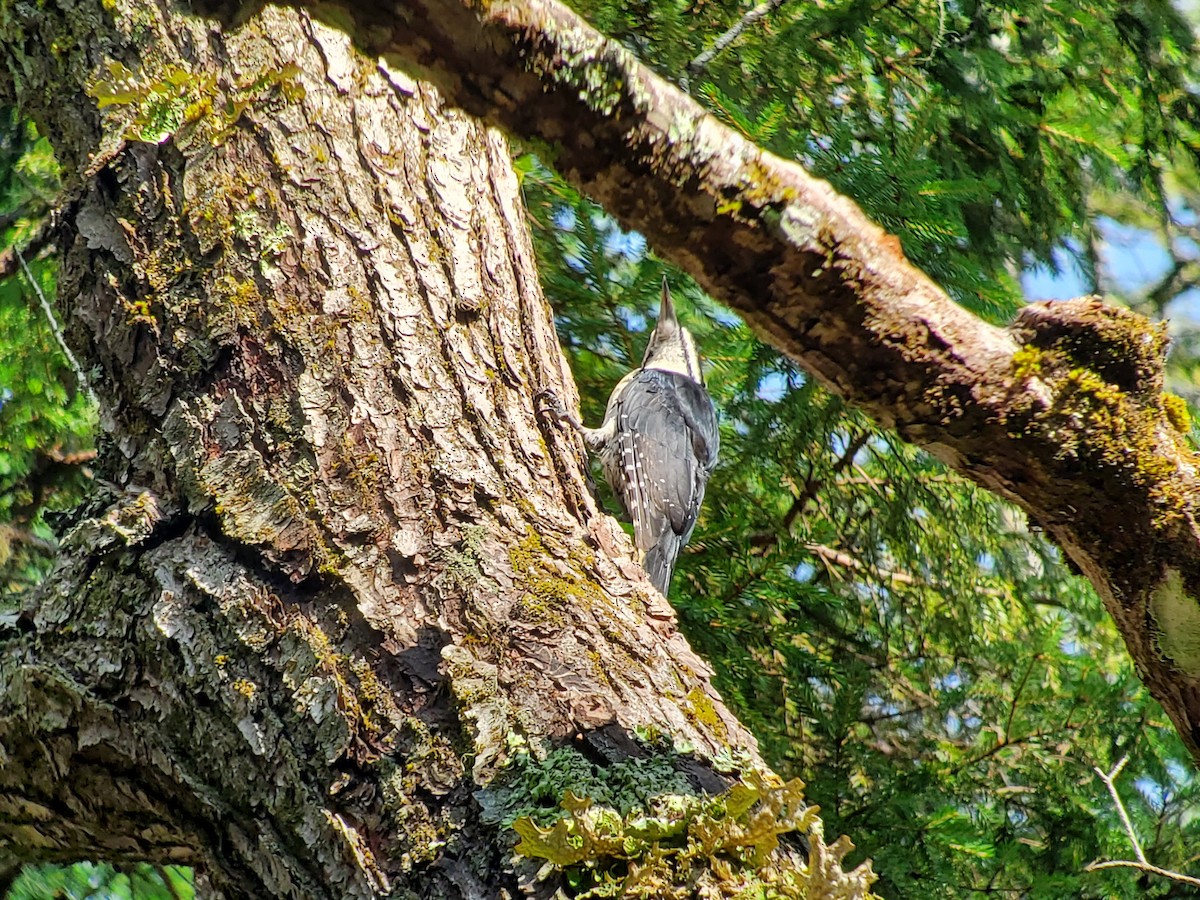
[658, 443]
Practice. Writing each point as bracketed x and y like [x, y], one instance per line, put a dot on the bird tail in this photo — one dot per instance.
[660, 560]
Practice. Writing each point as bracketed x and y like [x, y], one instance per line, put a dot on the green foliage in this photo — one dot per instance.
[89, 881]
[46, 421]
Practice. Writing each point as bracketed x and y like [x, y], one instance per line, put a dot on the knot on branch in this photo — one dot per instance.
[1124, 348]
[1090, 380]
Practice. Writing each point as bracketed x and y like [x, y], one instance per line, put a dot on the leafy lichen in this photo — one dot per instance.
[638, 828]
[684, 845]
[532, 788]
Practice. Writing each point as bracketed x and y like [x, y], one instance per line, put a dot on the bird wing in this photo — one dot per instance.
[665, 455]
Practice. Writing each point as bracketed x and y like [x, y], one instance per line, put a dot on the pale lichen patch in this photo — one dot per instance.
[1177, 617]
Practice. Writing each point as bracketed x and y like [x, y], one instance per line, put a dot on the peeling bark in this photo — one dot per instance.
[1061, 412]
[336, 573]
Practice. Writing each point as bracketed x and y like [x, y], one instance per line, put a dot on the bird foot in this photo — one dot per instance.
[548, 407]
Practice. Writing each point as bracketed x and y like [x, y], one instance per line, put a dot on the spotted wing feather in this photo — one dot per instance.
[662, 461]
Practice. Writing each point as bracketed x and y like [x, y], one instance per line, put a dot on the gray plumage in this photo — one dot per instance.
[658, 444]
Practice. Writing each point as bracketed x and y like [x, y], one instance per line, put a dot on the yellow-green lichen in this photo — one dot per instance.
[700, 709]
[153, 105]
[159, 102]
[1027, 362]
[1105, 413]
[1177, 623]
[358, 694]
[475, 683]
[133, 520]
[1176, 410]
[548, 587]
[527, 554]
[241, 298]
[762, 187]
[682, 845]
[369, 687]
[422, 763]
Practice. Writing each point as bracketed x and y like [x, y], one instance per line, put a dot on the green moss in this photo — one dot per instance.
[163, 101]
[1119, 433]
[241, 296]
[546, 592]
[541, 601]
[1102, 368]
[1176, 410]
[527, 554]
[1027, 362]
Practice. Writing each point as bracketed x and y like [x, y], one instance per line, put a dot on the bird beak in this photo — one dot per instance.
[666, 310]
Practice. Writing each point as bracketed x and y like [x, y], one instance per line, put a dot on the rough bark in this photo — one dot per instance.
[335, 575]
[1061, 412]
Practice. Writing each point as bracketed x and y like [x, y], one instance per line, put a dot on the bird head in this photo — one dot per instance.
[671, 345]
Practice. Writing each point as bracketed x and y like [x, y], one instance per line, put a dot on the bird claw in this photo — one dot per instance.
[546, 403]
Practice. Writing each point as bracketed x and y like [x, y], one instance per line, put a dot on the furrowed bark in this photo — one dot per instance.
[1061, 412]
[335, 578]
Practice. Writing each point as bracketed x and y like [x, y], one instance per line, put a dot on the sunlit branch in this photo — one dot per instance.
[700, 63]
[53, 322]
[1141, 863]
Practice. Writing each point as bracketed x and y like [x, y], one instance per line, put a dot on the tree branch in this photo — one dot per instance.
[52, 320]
[701, 62]
[1140, 863]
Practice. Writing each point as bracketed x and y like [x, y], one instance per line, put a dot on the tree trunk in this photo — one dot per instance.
[337, 577]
